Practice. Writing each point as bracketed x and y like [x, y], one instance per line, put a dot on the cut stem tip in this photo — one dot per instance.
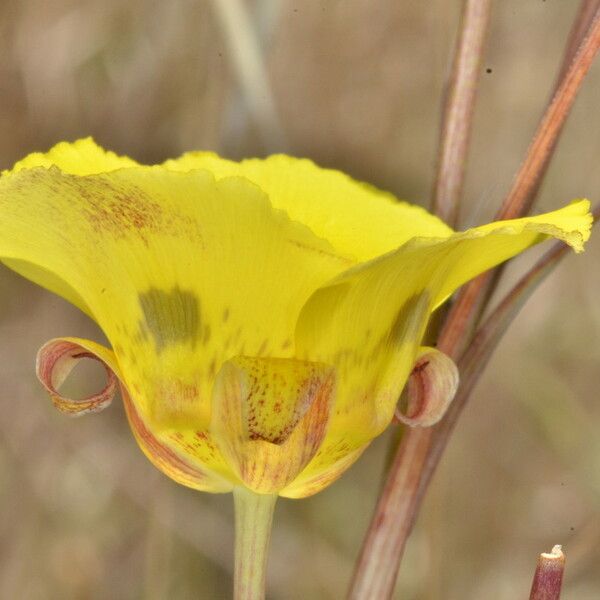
[547, 581]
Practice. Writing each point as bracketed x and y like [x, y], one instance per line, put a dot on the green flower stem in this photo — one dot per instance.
[253, 519]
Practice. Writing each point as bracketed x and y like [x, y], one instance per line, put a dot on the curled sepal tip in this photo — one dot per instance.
[430, 389]
[55, 361]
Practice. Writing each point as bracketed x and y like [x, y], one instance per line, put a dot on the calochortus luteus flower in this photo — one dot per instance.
[263, 316]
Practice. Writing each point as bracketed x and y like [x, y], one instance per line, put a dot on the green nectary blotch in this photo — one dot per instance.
[171, 317]
[410, 317]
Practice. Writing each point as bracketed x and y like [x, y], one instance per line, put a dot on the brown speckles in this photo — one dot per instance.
[114, 204]
[115, 207]
[177, 393]
[287, 344]
[212, 368]
[226, 314]
[170, 317]
[321, 251]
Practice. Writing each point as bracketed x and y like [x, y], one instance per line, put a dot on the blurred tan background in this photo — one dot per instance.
[355, 85]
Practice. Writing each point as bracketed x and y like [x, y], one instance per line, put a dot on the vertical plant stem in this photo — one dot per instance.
[458, 111]
[379, 560]
[377, 568]
[253, 520]
[547, 581]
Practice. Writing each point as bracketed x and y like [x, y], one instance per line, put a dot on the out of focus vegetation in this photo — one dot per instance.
[355, 85]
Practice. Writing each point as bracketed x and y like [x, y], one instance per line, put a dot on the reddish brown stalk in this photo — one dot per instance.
[519, 199]
[581, 25]
[547, 581]
[473, 297]
[375, 574]
[457, 118]
[377, 566]
[584, 17]
[420, 449]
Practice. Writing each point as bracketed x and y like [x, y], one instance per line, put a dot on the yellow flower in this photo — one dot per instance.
[263, 316]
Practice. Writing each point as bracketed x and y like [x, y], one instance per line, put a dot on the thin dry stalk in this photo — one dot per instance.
[376, 578]
[547, 581]
[398, 505]
[518, 201]
[471, 300]
[584, 17]
[457, 118]
[249, 67]
[420, 450]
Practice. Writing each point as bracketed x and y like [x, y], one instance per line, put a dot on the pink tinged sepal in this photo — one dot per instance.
[55, 361]
[270, 416]
[57, 358]
[430, 389]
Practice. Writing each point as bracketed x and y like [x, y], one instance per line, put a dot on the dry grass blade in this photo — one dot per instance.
[458, 110]
[249, 67]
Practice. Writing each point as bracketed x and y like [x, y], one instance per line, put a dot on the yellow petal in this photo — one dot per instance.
[432, 384]
[181, 272]
[83, 157]
[270, 416]
[369, 322]
[194, 462]
[335, 456]
[356, 218]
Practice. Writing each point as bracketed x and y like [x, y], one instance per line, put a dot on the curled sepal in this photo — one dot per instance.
[57, 358]
[270, 416]
[430, 389]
